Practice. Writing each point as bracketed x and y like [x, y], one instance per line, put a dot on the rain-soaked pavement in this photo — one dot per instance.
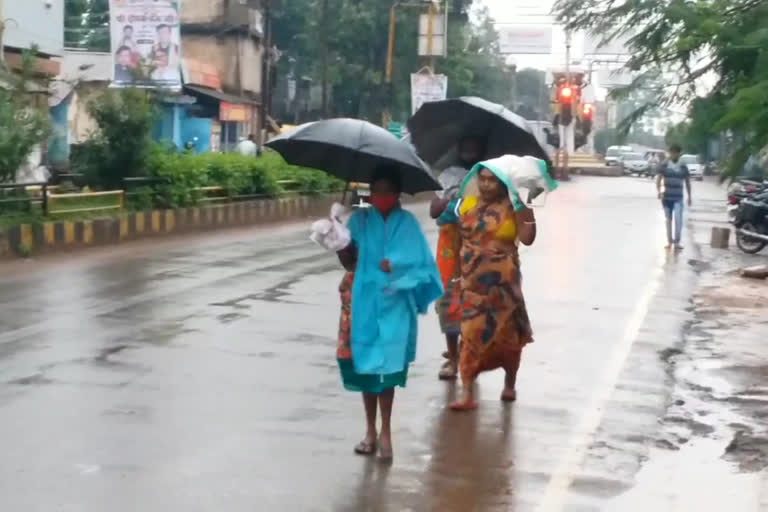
[198, 374]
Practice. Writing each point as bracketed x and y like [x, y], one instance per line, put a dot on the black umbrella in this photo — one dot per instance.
[352, 150]
[437, 126]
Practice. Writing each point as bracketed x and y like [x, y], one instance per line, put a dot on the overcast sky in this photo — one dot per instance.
[532, 12]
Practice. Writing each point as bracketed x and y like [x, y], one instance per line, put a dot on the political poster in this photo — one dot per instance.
[427, 87]
[146, 43]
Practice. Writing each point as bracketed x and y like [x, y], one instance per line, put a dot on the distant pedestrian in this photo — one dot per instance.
[395, 279]
[248, 147]
[672, 177]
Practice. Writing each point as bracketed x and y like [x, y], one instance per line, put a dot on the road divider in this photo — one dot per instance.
[50, 236]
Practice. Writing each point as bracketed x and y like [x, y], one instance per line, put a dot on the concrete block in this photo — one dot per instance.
[720, 238]
[756, 272]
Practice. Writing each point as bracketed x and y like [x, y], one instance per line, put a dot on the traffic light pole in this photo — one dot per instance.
[567, 137]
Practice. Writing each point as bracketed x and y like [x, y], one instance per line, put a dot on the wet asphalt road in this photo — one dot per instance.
[199, 374]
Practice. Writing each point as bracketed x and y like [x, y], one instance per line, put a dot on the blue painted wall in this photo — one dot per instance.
[197, 128]
[166, 130]
[176, 127]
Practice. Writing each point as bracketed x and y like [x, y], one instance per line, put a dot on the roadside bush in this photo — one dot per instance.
[121, 145]
[309, 181]
[179, 177]
[182, 175]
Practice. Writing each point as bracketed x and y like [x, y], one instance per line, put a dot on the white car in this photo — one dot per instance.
[613, 154]
[695, 167]
[634, 163]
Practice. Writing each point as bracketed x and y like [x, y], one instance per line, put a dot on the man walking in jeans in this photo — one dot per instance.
[670, 180]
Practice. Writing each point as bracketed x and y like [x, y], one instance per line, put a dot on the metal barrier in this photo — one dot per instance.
[44, 195]
[120, 194]
[30, 200]
[208, 199]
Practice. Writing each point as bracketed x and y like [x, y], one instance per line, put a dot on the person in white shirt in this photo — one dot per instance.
[248, 147]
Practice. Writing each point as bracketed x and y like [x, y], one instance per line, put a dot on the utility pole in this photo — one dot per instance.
[2, 32]
[324, 22]
[266, 81]
[431, 37]
[386, 115]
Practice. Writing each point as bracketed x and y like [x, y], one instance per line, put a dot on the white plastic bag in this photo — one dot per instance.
[526, 177]
[332, 233]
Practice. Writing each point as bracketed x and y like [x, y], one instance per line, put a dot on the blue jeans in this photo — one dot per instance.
[673, 209]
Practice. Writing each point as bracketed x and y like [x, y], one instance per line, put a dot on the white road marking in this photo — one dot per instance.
[556, 492]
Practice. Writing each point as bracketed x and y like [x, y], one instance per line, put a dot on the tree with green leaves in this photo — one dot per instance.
[356, 32]
[691, 41]
[120, 146]
[24, 121]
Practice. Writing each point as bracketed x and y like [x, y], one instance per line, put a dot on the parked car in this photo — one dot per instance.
[634, 163]
[613, 154]
[655, 157]
[695, 167]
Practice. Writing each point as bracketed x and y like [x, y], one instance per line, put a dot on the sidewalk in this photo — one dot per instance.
[712, 448]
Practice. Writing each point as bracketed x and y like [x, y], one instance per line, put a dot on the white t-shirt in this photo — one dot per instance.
[451, 180]
[247, 148]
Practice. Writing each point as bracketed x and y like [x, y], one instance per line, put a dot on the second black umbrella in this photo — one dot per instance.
[437, 127]
[352, 149]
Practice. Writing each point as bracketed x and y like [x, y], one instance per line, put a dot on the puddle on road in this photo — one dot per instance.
[712, 451]
[695, 478]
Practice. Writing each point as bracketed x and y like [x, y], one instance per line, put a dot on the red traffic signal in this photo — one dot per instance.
[588, 111]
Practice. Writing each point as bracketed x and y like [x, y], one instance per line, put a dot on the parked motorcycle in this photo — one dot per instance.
[751, 222]
[740, 190]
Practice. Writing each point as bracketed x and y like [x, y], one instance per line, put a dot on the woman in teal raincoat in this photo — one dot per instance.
[395, 279]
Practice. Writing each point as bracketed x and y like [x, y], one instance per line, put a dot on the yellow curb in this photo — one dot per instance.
[155, 221]
[124, 227]
[69, 232]
[140, 222]
[170, 220]
[49, 234]
[26, 237]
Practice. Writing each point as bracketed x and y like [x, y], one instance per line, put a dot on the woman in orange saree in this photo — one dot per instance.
[495, 325]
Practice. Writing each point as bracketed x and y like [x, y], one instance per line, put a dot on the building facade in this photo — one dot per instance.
[33, 24]
[36, 26]
[223, 51]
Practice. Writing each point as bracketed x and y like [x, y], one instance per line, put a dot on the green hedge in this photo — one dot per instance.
[183, 174]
